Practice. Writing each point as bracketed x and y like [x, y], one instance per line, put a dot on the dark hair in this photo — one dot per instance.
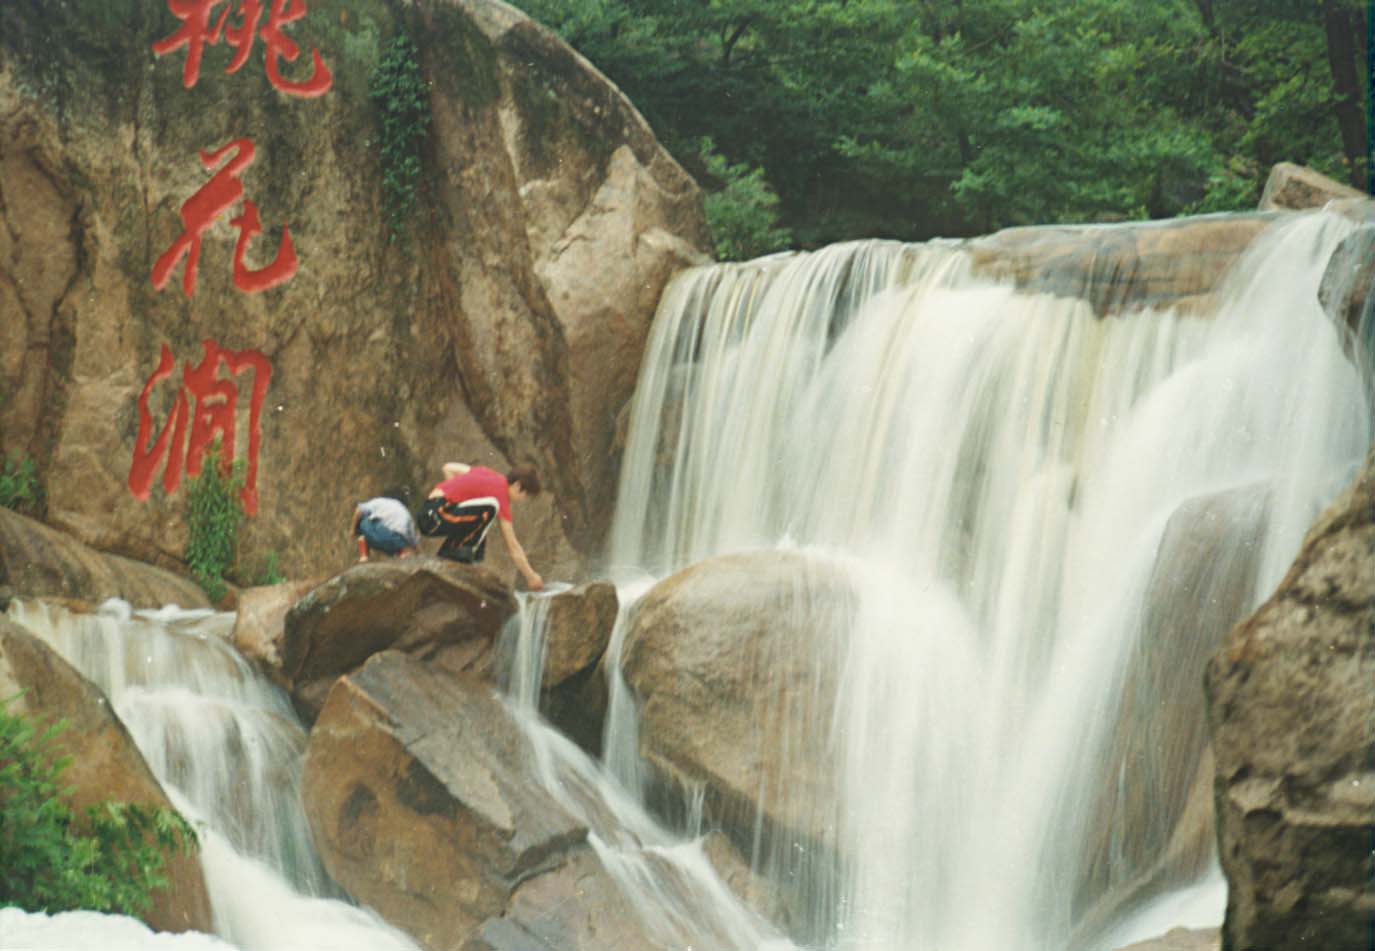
[527, 477]
[400, 493]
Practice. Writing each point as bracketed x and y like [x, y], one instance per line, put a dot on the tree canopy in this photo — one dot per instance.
[811, 121]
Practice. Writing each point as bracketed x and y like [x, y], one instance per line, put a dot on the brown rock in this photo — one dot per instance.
[1292, 714]
[574, 907]
[419, 799]
[432, 609]
[579, 623]
[260, 623]
[106, 765]
[40, 562]
[733, 664]
[1120, 268]
[1347, 293]
[509, 329]
[1293, 187]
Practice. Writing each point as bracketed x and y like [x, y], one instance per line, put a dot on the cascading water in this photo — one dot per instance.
[1003, 468]
[226, 746]
[1044, 520]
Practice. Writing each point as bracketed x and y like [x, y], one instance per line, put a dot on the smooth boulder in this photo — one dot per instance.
[733, 663]
[1293, 187]
[439, 611]
[1292, 715]
[37, 561]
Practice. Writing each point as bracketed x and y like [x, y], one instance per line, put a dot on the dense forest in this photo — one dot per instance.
[812, 121]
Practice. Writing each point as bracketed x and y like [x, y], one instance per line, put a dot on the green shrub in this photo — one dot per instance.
[271, 572]
[110, 859]
[214, 517]
[402, 97]
[743, 212]
[19, 486]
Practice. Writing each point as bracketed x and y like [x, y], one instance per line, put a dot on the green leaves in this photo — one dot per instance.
[19, 486]
[743, 211]
[885, 118]
[402, 98]
[214, 516]
[111, 858]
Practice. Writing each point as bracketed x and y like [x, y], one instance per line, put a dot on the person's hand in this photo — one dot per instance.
[535, 582]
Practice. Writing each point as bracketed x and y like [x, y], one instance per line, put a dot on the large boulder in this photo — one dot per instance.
[1152, 827]
[438, 611]
[1292, 715]
[1121, 268]
[420, 799]
[39, 562]
[260, 624]
[733, 663]
[506, 326]
[1293, 187]
[105, 763]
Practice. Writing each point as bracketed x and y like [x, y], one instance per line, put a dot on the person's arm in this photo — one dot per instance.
[357, 517]
[452, 469]
[508, 534]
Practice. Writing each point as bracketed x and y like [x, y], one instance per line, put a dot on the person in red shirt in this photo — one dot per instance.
[463, 507]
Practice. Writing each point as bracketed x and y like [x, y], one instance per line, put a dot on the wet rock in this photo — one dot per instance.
[1347, 292]
[438, 611]
[1293, 187]
[1291, 713]
[1180, 939]
[40, 562]
[574, 907]
[1117, 269]
[420, 800]
[1152, 828]
[105, 763]
[733, 663]
[580, 622]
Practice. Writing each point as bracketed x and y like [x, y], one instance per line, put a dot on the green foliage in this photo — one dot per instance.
[214, 516]
[401, 96]
[110, 859]
[884, 118]
[19, 486]
[271, 572]
[743, 211]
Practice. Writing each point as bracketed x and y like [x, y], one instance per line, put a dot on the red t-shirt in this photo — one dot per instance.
[477, 482]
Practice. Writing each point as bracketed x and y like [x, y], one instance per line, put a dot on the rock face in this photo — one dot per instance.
[507, 327]
[418, 804]
[1293, 187]
[435, 610]
[106, 765]
[1292, 716]
[38, 562]
[733, 664]
[1120, 268]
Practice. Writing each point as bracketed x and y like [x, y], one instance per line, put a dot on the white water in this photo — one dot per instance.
[226, 746]
[994, 474]
[1002, 467]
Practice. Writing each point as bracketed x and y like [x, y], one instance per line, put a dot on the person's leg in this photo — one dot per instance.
[362, 548]
[378, 536]
[466, 526]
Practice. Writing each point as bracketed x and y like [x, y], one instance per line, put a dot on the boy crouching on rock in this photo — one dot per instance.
[385, 524]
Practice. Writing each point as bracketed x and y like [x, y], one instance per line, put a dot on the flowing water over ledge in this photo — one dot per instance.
[1034, 508]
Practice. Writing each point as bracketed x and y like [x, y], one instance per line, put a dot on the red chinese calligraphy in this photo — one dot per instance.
[202, 209]
[196, 32]
[213, 415]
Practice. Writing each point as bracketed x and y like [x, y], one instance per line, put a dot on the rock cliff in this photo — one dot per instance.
[505, 325]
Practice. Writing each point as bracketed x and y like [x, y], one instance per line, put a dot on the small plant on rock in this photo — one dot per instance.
[111, 858]
[19, 486]
[214, 517]
[402, 97]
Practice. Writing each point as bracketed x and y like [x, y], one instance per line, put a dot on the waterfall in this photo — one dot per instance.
[1043, 507]
[226, 746]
